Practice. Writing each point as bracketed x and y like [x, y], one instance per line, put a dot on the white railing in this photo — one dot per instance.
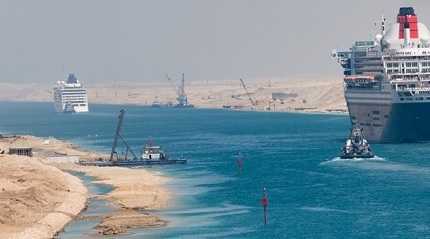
[415, 90]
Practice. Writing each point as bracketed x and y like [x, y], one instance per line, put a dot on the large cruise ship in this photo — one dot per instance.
[387, 81]
[70, 96]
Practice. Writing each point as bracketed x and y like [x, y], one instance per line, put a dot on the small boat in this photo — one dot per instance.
[156, 104]
[356, 146]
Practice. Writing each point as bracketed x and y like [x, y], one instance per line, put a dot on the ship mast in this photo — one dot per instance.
[383, 25]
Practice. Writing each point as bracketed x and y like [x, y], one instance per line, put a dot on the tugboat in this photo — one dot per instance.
[356, 146]
[153, 152]
[156, 104]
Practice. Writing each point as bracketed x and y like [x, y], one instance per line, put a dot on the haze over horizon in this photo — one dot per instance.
[141, 41]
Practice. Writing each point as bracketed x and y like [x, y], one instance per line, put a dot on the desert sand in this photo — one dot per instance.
[135, 190]
[303, 94]
[120, 222]
[36, 200]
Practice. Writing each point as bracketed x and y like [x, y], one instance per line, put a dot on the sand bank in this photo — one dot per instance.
[123, 220]
[36, 200]
[137, 190]
[133, 188]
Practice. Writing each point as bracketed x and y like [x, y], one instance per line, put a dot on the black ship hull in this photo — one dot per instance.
[392, 123]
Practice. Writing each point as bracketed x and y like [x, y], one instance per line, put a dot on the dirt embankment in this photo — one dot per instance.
[36, 200]
[136, 191]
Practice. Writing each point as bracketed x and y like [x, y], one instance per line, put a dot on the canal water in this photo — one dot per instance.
[84, 225]
[312, 193]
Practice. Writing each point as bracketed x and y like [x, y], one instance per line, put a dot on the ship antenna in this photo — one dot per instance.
[383, 25]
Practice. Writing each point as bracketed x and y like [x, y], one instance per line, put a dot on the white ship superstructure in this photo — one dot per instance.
[387, 81]
[70, 96]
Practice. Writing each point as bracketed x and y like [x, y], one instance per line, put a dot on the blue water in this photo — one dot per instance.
[312, 194]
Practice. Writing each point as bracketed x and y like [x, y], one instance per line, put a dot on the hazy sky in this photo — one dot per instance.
[142, 40]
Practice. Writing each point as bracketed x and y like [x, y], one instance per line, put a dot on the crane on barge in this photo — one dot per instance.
[152, 154]
[118, 136]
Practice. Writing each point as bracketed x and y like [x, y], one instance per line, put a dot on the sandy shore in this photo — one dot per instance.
[36, 200]
[135, 190]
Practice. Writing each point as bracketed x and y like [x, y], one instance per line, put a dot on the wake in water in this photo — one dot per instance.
[324, 209]
[381, 164]
[338, 159]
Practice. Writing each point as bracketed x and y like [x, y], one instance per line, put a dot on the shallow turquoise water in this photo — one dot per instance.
[312, 194]
[83, 227]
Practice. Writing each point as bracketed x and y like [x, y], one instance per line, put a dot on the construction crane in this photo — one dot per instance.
[181, 98]
[253, 102]
[119, 136]
[151, 154]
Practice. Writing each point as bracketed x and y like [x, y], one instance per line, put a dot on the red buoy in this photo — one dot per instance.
[265, 204]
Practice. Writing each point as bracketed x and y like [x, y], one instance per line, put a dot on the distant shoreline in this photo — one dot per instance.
[300, 95]
[322, 112]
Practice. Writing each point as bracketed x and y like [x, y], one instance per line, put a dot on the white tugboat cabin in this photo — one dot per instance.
[153, 152]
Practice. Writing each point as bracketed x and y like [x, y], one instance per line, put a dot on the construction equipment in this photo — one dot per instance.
[118, 136]
[181, 97]
[156, 155]
[253, 102]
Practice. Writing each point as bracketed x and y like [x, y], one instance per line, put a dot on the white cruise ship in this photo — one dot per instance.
[70, 96]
